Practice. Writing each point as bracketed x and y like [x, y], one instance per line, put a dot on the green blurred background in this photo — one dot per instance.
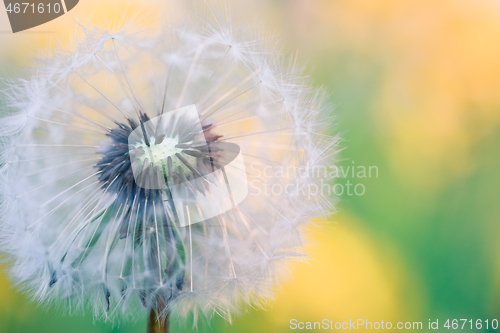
[416, 87]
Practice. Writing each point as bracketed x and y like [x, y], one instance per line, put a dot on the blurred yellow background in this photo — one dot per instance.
[416, 88]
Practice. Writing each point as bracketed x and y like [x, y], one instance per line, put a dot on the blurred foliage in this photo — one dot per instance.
[416, 87]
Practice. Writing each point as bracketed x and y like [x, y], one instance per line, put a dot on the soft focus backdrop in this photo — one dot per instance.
[416, 87]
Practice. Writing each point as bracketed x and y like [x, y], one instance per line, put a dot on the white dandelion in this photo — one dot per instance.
[161, 172]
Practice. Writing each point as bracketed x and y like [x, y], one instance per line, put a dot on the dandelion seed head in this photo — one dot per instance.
[109, 149]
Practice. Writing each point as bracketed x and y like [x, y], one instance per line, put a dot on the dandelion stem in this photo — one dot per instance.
[157, 324]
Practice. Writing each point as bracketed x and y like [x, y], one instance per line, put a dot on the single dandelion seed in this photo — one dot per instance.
[166, 172]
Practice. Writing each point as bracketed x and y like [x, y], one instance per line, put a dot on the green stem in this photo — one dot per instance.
[155, 325]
